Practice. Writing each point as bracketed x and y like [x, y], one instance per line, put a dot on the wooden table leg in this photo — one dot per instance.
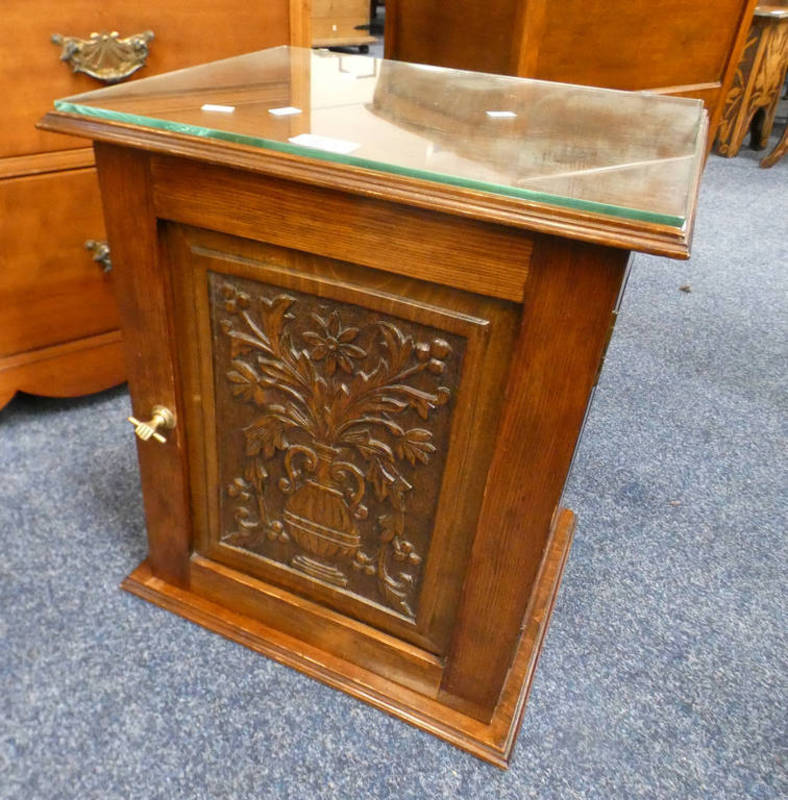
[778, 152]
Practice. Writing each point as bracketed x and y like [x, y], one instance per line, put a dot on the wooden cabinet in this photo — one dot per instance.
[341, 23]
[361, 349]
[688, 49]
[59, 324]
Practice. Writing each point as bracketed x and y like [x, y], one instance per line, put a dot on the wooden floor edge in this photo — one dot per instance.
[483, 741]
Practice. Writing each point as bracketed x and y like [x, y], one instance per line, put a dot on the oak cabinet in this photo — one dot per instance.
[361, 348]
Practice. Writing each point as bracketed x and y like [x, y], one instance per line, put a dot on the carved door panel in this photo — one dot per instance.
[335, 411]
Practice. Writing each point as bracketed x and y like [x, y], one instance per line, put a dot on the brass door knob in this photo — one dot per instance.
[100, 251]
[162, 418]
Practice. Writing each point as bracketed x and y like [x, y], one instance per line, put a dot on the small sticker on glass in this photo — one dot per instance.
[217, 107]
[340, 146]
[284, 111]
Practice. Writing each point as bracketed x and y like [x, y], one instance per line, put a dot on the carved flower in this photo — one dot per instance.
[234, 299]
[333, 344]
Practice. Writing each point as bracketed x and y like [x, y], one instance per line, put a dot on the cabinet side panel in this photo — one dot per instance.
[144, 300]
[570, 296]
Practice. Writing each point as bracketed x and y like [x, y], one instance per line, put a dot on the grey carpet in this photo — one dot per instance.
[664, 672]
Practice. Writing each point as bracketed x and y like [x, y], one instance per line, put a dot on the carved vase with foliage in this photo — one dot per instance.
[336, 404]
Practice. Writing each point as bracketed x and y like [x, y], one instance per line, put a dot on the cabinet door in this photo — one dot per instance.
[341, 421]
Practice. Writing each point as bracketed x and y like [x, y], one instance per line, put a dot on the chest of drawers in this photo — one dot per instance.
[58, 318]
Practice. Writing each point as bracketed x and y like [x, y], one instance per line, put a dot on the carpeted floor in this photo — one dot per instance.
[664, 672]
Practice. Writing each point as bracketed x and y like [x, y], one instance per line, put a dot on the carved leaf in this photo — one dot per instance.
[390, 525]
[265, 435]
[255, 471]
[399, 346]
[391, 404]
[381, 477]
[368, 447]
[275, 371]
[246, 381]
[415, 446]
[272, 313]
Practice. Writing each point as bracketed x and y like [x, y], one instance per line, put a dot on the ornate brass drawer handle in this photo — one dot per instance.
[105, 56]
[162, 418]
[100, 253]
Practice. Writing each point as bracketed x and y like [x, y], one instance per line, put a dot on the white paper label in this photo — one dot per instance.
[215, 107]
[501, 114]
[284, 111]
[324, 143]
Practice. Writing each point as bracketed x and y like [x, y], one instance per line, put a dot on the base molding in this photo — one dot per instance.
[491, 741]
[75, 368]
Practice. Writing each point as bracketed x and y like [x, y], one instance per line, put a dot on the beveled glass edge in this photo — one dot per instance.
[202, 132]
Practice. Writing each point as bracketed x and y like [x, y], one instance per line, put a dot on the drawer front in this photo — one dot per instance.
[338, 19]
[51, 290]
[185, 34]
[337, 28]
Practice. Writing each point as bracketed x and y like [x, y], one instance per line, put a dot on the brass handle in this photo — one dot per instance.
[105, 56]
[162, 418]
[100, 251]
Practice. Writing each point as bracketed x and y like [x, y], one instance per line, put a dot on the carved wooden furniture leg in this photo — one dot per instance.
[752, 101]
[779, 151]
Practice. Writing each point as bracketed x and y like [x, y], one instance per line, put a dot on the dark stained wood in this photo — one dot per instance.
[490, 260]
[570, 295]
[470, 35]
[319, 626]
[144, 300]
[482, 332]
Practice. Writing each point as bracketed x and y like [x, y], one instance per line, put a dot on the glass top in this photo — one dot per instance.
[621, 154]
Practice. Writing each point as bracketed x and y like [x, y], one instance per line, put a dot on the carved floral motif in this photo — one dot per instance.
[341, 411]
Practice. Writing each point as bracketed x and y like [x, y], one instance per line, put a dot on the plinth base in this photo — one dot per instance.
[491, 741]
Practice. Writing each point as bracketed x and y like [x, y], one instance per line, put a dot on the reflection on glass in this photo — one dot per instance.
[623, 154]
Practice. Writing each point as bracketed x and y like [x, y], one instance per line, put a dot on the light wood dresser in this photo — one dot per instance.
[59, 323]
